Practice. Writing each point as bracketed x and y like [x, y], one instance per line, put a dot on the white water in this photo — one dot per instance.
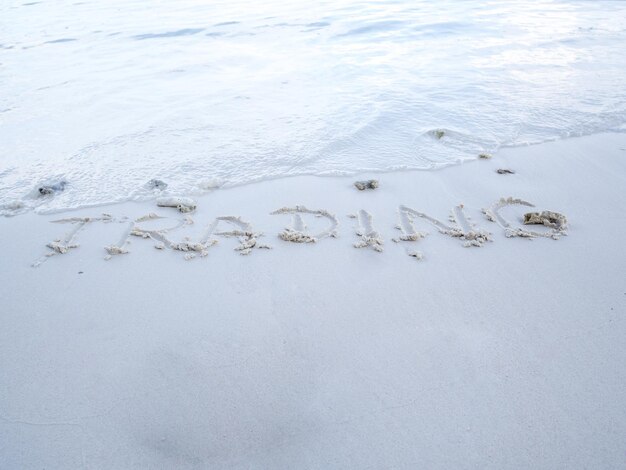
[108, 95]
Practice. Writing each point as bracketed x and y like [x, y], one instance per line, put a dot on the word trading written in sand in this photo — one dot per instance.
[169, 232]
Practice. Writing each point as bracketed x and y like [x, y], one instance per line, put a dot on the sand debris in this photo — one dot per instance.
[183, 204]
[410, 237]
[485, 156]
[61, 247]
[505, 171]
[294, 236]
[548, 218]
[115, 250]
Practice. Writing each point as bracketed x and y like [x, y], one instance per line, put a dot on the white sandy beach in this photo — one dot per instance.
[320, 355]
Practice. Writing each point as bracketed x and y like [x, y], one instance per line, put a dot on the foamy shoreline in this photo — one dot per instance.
[108, 96]
[508, 354]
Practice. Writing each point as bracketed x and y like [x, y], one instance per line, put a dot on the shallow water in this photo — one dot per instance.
[109, 95]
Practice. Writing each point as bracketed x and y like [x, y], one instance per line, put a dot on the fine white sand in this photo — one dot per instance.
[507, 354]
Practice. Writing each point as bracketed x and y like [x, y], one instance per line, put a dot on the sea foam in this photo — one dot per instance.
[110, 96]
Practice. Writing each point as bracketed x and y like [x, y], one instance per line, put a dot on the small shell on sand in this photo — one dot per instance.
[367, 184]
[438, 133]
[156, 184]
[48, 189]
[416, 254]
